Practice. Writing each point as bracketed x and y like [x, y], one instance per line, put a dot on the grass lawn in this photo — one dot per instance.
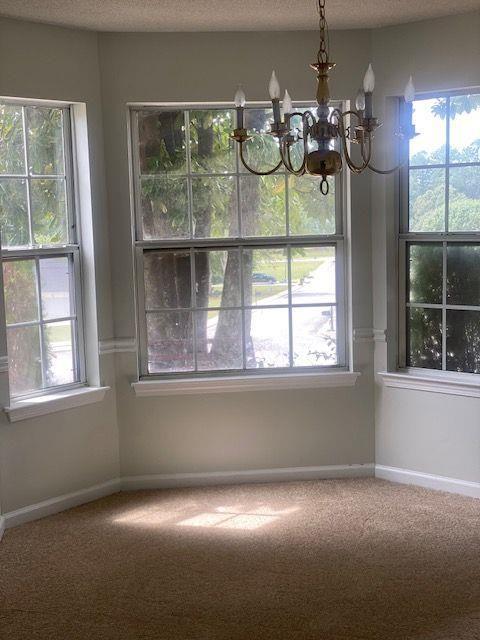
[300, 269]
[59, 333]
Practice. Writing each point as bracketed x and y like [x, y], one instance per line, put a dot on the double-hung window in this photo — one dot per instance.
[236, 272]
[40, 249]
[440, 237]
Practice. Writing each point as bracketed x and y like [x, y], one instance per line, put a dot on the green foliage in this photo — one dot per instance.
[23, 342]
[427, 213]
[44, 134]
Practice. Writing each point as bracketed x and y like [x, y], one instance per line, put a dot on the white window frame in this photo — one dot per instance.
[405, 238]
[71, 250]
[337, 240]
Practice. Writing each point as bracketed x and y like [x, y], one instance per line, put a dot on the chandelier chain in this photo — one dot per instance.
[322, 56]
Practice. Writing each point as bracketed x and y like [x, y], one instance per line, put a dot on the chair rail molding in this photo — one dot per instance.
[117, 345]
[3, 364]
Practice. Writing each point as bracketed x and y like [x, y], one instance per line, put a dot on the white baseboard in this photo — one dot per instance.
[60, 503]
[168, 481]
[428, 480]
[2, 527]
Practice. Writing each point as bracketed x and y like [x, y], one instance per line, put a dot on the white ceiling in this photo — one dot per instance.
[228, 15]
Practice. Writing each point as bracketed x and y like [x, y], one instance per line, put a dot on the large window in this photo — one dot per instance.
[235, 272]
[40, 249]
[440, 237]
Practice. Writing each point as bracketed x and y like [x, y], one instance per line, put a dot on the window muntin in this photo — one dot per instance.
[235, 272]
[41, 269]
[440, 237]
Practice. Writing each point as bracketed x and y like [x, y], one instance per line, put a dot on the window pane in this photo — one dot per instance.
[463, 274]
[20, 290]
[314, 336]
[45, 140]
[12, 156]
[55, 277]
[162, 146]
[49, 211]
[170, 341]
[212, 150]
[14, 212]
[427, 200]
[262, 201]
[310, 212]
[24, 363]
[464, 128]
[313, 275]
[463, 341]
[265, 276]
[217, 275]
[425, 273]
[464, 199]
[429, 118]
[424, 337]
[267, 338]
[60, 365]
[167, 279]
[261, 152]
[164, 203]
[215, 207]
[219, 340]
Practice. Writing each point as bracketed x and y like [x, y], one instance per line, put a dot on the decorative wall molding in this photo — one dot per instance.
[428, 480]
[188, 386]
[3, 364]
[60, 503]
[363, 335]
[380, 335]
[463, 384]
[168, 481]
[117, 345]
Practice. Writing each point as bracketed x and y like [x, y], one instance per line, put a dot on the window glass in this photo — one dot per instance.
[442, 274]
[228, 279]
[40, 284]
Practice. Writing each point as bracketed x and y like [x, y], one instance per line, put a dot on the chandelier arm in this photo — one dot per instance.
[258, 173]
[287, 160]
[386, 172]
[351, 165]
[285, 155]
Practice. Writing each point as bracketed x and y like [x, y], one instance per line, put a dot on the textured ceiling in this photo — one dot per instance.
[227, 15]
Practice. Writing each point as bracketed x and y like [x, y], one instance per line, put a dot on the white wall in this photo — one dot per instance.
[245, 430]
[421, 431]
[63, 452]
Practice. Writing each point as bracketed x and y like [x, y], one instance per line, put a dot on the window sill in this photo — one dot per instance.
[227, 384]
[460, 384]
[53, 402]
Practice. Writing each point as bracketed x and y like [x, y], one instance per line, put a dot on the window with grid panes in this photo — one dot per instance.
[235, 272]
[440, 237]
[40, 249]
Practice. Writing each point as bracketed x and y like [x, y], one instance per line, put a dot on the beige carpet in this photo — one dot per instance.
[339, 559]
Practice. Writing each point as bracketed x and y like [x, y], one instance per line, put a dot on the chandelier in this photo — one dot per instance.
[318, 133]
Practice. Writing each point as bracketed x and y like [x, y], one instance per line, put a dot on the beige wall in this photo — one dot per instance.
[239, 430]
[432, 433]
[63, 452]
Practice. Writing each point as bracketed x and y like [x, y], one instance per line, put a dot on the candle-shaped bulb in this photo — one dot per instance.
[360, 100]
[240, 98]
[274, 87]
[287, 103]
[369, 80]
[409, 90]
